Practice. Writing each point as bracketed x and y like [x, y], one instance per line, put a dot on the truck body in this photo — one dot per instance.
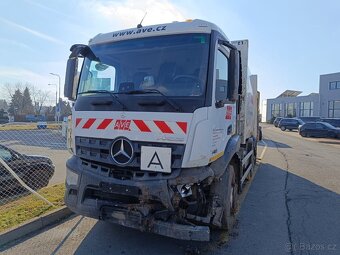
[163, 128]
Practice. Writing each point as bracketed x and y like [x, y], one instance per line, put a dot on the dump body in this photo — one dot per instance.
[248, 95]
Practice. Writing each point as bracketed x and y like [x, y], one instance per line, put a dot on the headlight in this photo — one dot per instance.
[71, 177]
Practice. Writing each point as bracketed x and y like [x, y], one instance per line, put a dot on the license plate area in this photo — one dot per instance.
[121, 216]
[120, 189]
[156, 159]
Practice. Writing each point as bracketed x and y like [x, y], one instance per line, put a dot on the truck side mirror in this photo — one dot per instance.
[234, 75]
[71, 78]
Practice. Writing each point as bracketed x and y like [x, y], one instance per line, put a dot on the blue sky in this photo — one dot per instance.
[291, 42]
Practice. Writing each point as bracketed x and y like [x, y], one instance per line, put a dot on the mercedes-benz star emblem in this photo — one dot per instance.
[122, 151]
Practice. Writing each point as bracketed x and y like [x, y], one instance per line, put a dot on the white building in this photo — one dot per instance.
[325, 104]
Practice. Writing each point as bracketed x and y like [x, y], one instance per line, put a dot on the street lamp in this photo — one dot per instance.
[56, 99]
[58, 105]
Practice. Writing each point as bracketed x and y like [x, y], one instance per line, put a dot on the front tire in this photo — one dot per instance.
[230, 198]
[303, 134]
[283, 128]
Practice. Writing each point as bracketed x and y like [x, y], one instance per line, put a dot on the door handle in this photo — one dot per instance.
[101, 103]
[229, 129]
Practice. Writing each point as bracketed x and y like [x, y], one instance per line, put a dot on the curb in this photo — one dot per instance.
[34, 225]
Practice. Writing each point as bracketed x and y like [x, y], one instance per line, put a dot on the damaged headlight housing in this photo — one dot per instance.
[185, 190]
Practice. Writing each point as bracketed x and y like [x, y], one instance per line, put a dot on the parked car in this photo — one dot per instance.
[34, 118]
[290, 124]
[276, 121]
[319, 129]
[35, 171]
[41, 124]
[310, 119]
[333, 121]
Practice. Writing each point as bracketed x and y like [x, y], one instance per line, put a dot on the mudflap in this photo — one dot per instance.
[134, 219]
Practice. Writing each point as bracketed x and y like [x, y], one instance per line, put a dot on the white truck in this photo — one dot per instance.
[163, 129]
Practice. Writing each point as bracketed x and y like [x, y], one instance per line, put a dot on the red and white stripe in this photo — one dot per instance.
[144, 126]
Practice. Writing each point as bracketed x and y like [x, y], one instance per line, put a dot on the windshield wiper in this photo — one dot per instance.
[150, 91]
[112, 94]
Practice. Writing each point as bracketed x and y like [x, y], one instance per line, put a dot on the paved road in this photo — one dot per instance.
[292, 207]
[48, 143]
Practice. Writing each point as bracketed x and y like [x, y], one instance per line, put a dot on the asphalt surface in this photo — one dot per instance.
[292, 207]
[43, 142]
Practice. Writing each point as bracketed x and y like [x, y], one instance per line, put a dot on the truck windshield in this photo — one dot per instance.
[175, 65]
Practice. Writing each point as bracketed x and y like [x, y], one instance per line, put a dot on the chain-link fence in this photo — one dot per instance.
[32, 170]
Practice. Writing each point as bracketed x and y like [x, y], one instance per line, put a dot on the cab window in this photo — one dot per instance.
[99, 77]
[221, 76]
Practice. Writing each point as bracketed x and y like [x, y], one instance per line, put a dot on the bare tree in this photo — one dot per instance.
[3, 105]
[39, 98]
[10, 88]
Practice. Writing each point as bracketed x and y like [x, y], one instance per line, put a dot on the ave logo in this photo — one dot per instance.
[156, 159]
[229, 112]
[122, 125]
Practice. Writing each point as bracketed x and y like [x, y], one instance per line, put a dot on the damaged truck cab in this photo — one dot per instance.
[163, 128]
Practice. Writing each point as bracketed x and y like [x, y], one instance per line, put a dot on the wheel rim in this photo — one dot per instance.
[233, 191]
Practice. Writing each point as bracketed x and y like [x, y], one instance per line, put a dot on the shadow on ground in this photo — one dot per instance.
[272, 145]
[281, 214]
[330, 141]
[277, 211]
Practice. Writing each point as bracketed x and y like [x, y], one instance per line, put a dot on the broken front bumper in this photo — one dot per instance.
[137, 221]
[92, 196]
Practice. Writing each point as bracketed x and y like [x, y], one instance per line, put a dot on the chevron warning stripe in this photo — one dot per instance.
[144, 126]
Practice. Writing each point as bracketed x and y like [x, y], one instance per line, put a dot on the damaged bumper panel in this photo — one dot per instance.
[149, 206]
[173, 230]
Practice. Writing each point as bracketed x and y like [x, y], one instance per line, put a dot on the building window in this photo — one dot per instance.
[290, 110]
[334, 109]
[306, 109]
[334, 85]
[276, 110]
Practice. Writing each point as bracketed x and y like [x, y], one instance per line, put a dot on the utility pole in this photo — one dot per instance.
[58, 107]
[56, 100]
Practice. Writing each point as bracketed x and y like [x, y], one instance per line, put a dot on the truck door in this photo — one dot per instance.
[223, 113]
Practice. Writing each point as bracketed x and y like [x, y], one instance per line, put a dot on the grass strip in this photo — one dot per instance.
[27, 127]
[28, 207]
